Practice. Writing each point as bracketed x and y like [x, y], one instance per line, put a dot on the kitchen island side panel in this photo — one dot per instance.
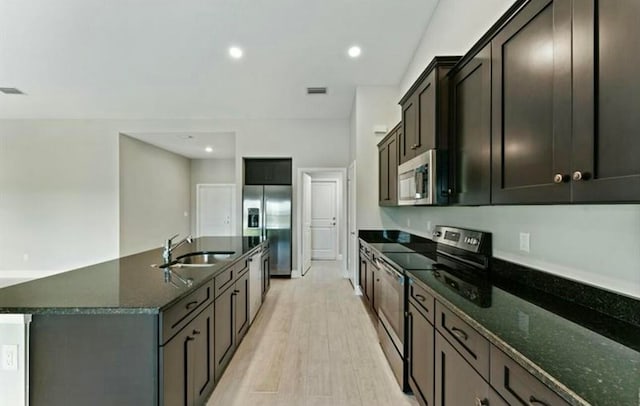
[98, 359]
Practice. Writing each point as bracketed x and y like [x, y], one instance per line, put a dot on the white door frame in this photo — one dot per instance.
[233, 204]
[341, 215]
[353, 252]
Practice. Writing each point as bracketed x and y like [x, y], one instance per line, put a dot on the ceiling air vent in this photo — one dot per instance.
[316, 90]
[10, 90]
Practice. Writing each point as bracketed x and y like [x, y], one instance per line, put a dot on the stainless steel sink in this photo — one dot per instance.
[197, 259]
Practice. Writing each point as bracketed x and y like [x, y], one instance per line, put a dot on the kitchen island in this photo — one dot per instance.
[128, 333]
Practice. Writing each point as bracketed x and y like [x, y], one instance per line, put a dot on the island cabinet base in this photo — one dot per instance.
[93, 359]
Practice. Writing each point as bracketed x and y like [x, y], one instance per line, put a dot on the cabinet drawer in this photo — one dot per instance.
[517, 385]
[467, 341]
[177, 316]
[423, 299]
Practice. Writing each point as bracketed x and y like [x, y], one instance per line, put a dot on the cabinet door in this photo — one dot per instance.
[383, 173]
[457, 383]
[242, 306]
[606, 147]
[364, 282]
[421, 356]
[531, 105]
[425, 135]
[224, 331]
[392, 153]
[471, 129]
[371, 277]
[176, 389]
[409, 130]
[201, 355]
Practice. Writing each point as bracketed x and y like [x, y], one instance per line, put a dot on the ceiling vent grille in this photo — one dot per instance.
[10, 90]
[316, 90]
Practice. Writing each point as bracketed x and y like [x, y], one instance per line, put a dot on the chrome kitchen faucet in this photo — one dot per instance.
[168, 248]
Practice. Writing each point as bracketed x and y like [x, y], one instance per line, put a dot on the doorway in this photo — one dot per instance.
[322, 228]
[215, 210]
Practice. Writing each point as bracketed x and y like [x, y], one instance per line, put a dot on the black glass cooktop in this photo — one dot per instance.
[386, 247]
[411, 261]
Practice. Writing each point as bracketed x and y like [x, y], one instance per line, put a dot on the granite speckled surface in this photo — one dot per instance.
[580, 364]
[127, 285]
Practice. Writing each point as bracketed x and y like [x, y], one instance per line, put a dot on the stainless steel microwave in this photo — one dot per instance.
[418, 180]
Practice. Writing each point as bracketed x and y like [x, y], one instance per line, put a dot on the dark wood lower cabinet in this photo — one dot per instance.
[242, 306]
[266, 273]
[371, 277]
[187, 363]
[421, 362]
[457, 383]
[224, 341]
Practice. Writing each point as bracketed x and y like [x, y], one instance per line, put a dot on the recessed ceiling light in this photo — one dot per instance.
[208, 149]
[235, 52]
[354, 51]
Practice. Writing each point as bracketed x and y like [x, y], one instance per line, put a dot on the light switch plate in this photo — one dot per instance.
[10, 357]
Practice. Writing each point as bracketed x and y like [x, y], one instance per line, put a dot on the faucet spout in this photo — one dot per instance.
[169, 247]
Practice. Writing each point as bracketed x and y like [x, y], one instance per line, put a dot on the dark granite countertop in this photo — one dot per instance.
[582, 365]
[124, 285]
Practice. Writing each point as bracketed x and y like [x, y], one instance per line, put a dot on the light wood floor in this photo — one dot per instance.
[311, 344]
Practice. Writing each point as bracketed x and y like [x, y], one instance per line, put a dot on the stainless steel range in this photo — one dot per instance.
[461, 263]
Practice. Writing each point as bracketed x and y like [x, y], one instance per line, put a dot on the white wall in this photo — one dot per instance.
[209, 171]
[595, 244]
[373, 106]
[59, 180]
[154, 195]
[58, 196]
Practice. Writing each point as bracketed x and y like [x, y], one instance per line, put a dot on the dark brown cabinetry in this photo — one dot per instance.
[388, 169]
[471, 131]
[605, 164]
[531, 105]
[421, 347]
[231, 317]
[457, 383]
[368, 274]
[424, 111]
[267, 171]
[187, 363]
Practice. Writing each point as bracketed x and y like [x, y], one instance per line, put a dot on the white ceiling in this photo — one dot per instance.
[192, 144]
[168, 58]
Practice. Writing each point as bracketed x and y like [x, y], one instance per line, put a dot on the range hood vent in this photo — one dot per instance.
[316, 90]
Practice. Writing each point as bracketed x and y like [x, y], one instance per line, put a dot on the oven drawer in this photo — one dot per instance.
[424, 301]
[467, 341]
[517, 385]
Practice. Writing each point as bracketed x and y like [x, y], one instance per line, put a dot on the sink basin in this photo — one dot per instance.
[205, 258]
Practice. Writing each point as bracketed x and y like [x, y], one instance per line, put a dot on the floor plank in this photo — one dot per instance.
[312, 344]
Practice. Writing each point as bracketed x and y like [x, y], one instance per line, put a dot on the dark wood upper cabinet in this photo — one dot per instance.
[606, 145]
[424, 111]
[531, 105]
[388, 169]
[470, 142]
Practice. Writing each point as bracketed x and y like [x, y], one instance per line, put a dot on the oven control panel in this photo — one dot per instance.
[468, 240]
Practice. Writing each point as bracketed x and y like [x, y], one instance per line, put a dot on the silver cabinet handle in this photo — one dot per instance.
[459, 333]
[534, 401]
[482, 402]
[577, 175]
[559, 178]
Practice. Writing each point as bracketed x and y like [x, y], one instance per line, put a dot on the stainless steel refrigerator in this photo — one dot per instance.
[266, 213]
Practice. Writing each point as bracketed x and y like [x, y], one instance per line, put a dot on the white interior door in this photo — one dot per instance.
[324, 237]
[215, 210]
[352, 260]
[306, 222]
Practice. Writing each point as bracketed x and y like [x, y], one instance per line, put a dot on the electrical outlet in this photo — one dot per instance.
[10, 357]
[525, 242]
[25, 257]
